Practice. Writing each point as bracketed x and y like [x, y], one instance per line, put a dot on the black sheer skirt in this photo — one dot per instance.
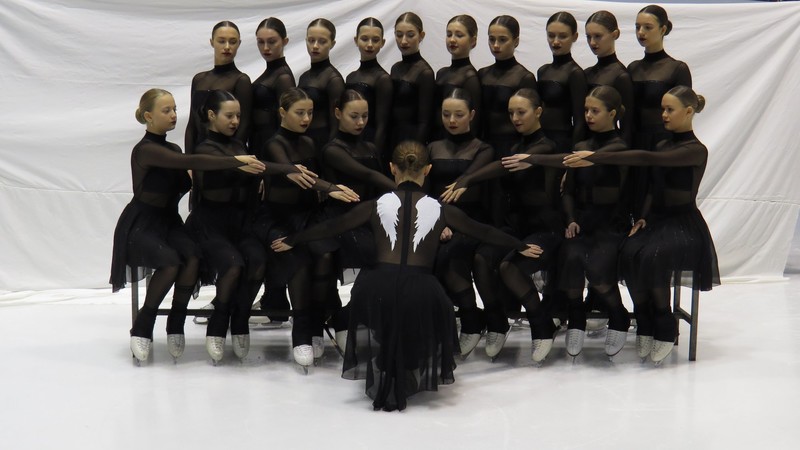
[402, 334]
[592, 256]
[675, 242]
[355, 249]
[148, 236]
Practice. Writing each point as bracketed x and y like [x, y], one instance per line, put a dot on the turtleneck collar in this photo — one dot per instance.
[460, 138]
[409, 186]
[506, 63]
[605, 136]
[276, 63]
[684, 136]
[319, 65]
[607, 60]
[533, 137]
[351, 139]
[414, 57]
[289, 134]
[224, 68]
[218, 137]
[463, 62]
[160, 138]
[657, 56]
[370, 64]
[562, 59]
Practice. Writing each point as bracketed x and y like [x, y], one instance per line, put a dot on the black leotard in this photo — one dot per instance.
[562, 86]
[498, 83]
[610, 72]
[412, 102]
[324, 85]
[375, 84]
[267, 91]
[225, 77]
[460, 74]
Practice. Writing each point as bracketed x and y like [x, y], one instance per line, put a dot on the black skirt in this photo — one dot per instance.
[402, 334]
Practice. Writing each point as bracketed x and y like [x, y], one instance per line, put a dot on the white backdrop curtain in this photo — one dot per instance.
[72, 72]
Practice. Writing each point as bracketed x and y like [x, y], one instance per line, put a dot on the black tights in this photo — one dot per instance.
[539, 312]
[609, 295]
[246, 294]
[653, 313]
[226, 288]
[457, 281]
[184, 278]
[487, 281]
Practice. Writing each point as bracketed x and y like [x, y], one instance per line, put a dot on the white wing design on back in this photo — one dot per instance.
[427, 216]
[388, 212]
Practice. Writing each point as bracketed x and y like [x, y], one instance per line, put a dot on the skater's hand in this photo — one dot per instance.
[573, 229]
[305, 178]
[516, 162]
[252, 164]
[577, 159]
[346, 194]
[451, 194]
[533, 251]
[279, 246]
[639, 225]
[446, 235]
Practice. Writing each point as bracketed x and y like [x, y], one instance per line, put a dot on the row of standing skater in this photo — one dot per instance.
[232, 235]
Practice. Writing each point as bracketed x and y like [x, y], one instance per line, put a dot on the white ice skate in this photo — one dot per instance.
[615, 340]
[140, 347]
[467, 343]
[644, 346]
[661, 349]
[176, 343]
[495, 343]
[215, 346]
[318, 345]
[241, 345]
[304, 356]
[540, 349]
[575, 339]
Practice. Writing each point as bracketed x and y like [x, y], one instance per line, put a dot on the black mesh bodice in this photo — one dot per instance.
[267, 91]
[412, 102]
[652, 77]
[225, 77]
[498, 83]
[460, 74]
[562, 86]
[454, 157]
[609, 71]
[375, 84]
[324, 85]
[351, 161]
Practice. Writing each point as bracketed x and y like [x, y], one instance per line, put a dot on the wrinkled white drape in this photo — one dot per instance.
[72, 73]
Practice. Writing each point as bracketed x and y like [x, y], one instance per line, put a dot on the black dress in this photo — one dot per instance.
[676, 238]
[324, 85]
[460, 74]
[653, 76]
[498, 83]
[412, 102]
[267, 91]
[452, 158]
[225, 77]
[375, 84]
[402, 326]
[150, 232]
[562, 86]
[592, 199]
[355, 163]
[610, 72]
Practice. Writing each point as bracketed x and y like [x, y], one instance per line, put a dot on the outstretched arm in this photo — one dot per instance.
[354, 218]
[459, 221]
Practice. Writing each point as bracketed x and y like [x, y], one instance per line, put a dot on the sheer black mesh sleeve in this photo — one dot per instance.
[243, 91]
[154, 155]
[354, 218]
[459, 221]
[426, 86]
[278, 152]
[339, 159]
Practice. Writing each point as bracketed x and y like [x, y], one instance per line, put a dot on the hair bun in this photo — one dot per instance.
[669, 27]
[701, 103]
[140, 116]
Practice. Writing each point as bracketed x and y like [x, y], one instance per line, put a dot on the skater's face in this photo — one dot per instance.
[298, 117]
[226, 120]
[319, 43]
[163, 116]
[523, 115]
[676, 117]
[458, 40]
[600, 39]
[456, 115]
[270, 44]
[501, 43]
[369, 42]
[225, 42]
[408, 38]
[649, 33]
[353, 118]
[598, 117]
[560, 38]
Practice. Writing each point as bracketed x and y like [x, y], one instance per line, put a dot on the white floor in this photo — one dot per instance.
[68, 382]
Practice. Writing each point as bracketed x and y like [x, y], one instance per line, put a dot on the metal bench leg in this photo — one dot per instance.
[676, 305]
[134, 296]
[693, 325]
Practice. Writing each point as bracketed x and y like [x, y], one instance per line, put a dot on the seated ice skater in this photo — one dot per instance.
[670, 237]
[401, 336]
